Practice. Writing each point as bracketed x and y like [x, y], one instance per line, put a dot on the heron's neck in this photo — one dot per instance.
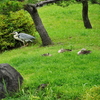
[16, 36]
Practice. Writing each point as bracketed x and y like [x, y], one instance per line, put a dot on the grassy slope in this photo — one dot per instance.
[67, 74]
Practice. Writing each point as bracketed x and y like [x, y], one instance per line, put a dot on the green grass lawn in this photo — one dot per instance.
[67, 74]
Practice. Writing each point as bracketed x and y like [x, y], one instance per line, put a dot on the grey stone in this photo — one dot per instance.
[10, 80]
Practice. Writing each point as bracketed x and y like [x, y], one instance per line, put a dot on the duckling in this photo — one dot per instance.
[46, 54]
[63, 50]
[83, 51]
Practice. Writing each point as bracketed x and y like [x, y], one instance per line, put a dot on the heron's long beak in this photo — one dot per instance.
[11, 33]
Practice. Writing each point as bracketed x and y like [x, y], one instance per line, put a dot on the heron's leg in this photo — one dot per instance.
[23, 43]
[26, 44]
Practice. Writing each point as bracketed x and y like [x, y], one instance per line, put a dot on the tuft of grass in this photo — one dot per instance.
[67, 74]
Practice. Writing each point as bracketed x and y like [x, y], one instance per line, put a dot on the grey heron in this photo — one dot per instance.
[23, 37]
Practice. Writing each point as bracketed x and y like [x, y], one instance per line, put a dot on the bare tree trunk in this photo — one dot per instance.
[31, 8]
[86, 21]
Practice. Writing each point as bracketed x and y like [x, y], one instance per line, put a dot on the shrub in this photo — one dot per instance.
[21, 22]
[92, 94]
[8, 6]
[93, 1]
[13, 20]
[65, 3]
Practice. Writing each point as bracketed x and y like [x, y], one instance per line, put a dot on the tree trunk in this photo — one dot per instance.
[86, 21]
[31, 8]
